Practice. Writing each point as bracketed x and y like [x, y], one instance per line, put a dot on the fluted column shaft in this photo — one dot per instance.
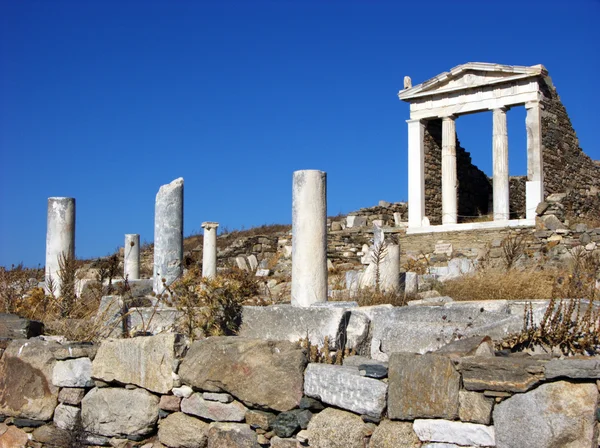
[500, 154]
[449, 177]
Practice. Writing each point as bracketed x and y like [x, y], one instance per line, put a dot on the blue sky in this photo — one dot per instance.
[105, 101]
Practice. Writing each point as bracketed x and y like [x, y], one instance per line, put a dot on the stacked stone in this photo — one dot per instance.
[517, 196]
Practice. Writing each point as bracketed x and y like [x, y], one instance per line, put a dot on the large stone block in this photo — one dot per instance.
[230, 435]
[119, 412]
[237, 365]
[422, 386]
[182, 431]
[555, 415]
[503, 374]
[213, 410]
[389, 434]
[73, 373]
[468, 434]
[144, 361]
[16, 327]
[12, 437]
[26, 388]
[333, 428]
[287, 323]
[66, 417]
[344, 387]
[474, 407]
[573, 368]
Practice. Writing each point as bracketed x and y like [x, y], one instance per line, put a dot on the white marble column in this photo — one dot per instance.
[309, 237]
[500, 155]
[168, 235]
[535, 170]
[416, 173]
[449, 176]
[131, 257]
[60, 239]
[209, 249]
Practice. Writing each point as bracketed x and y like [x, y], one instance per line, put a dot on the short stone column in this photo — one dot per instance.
[309, 237]
[60, 239]
[449, 177]
[535, 172]
[389, 269]
[168, 235]
[416, 173]
[209, 249]
[131, 257]
[500, 156]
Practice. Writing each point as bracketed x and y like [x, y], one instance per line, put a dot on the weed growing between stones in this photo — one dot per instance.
[324, 355]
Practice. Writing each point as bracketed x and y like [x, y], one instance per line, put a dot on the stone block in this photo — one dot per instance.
[71, 350]
[422, 386]
[73, 373]
[287, 323]
[573, 368]
[213, 410]
[389, 434]
[355, 221]
[554, 415]
[153, 320]
[252, 262]
[344, 387]
[229, 435]
[52, 436]
[469, 434]
[119, 412]
[13, 437]
[474, 407]
[214, 396]
[469, 346]
[411, 283]
[145, 361]
[26, 388]
[279, 442]
[71, 395]
[241, 263]
[504, 374]
[367, 366]
[237, 364]
[66, 417]
[169, 403]
[333, 428]
[260, 419]
[182, 431]
[16, 327]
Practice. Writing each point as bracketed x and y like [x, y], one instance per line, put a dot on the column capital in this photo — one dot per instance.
[210, 225]
[532, 104]
[501, 108]
[416, 120]
[450, 117]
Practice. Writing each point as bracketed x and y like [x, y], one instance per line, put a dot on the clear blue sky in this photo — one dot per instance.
[105, 101]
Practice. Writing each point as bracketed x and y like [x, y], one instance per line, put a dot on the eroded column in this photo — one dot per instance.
[390, 269]
[535, 172]
[449, 177]
[500, 155]
[131, 257]
[168, 235]
[60, 239]
[416, 173]
[309, 237]
[209, 249]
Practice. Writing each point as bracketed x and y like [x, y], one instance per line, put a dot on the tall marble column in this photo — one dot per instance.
[131, 257]
[60, 239]
[416, 173]
[449, 176]
[209, 249]
[535, 165]
[168, 235]
[309, 237]
[500, 155]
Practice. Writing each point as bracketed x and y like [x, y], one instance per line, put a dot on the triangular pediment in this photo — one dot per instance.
[471, 75]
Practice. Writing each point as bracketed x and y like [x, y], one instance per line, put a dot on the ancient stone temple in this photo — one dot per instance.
[444, 184]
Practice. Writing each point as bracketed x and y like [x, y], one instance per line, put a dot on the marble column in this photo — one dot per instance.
[131, 257]
[209, 249]
[168, 235]
[309, 237]
[449, 176]
[500, 175]
[60, 239]
[535, 165]
[416, 173]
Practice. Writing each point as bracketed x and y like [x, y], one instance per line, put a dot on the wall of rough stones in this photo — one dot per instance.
[228, 392]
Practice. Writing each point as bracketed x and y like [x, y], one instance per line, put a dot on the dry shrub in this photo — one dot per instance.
[371, 296]
[493, 285]
[324, 355]
[14, 285]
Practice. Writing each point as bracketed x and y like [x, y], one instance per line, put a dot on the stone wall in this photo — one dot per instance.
[228, 392]
[566, 166]
[474, 187]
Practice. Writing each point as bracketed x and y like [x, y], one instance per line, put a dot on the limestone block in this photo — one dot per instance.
[213, 410]
[228, 435]
[237, 364]
[344, 387]
[182, 431]
[66, 417]
[474, 407]
[554, 415]
[252, 262]
[26, 388]
[389, 434]
[355, 221]
[73, 373]
[455, 432]
[504, 374]
[422, 386]
[145, 361]
[333, 428]
[119, 412]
